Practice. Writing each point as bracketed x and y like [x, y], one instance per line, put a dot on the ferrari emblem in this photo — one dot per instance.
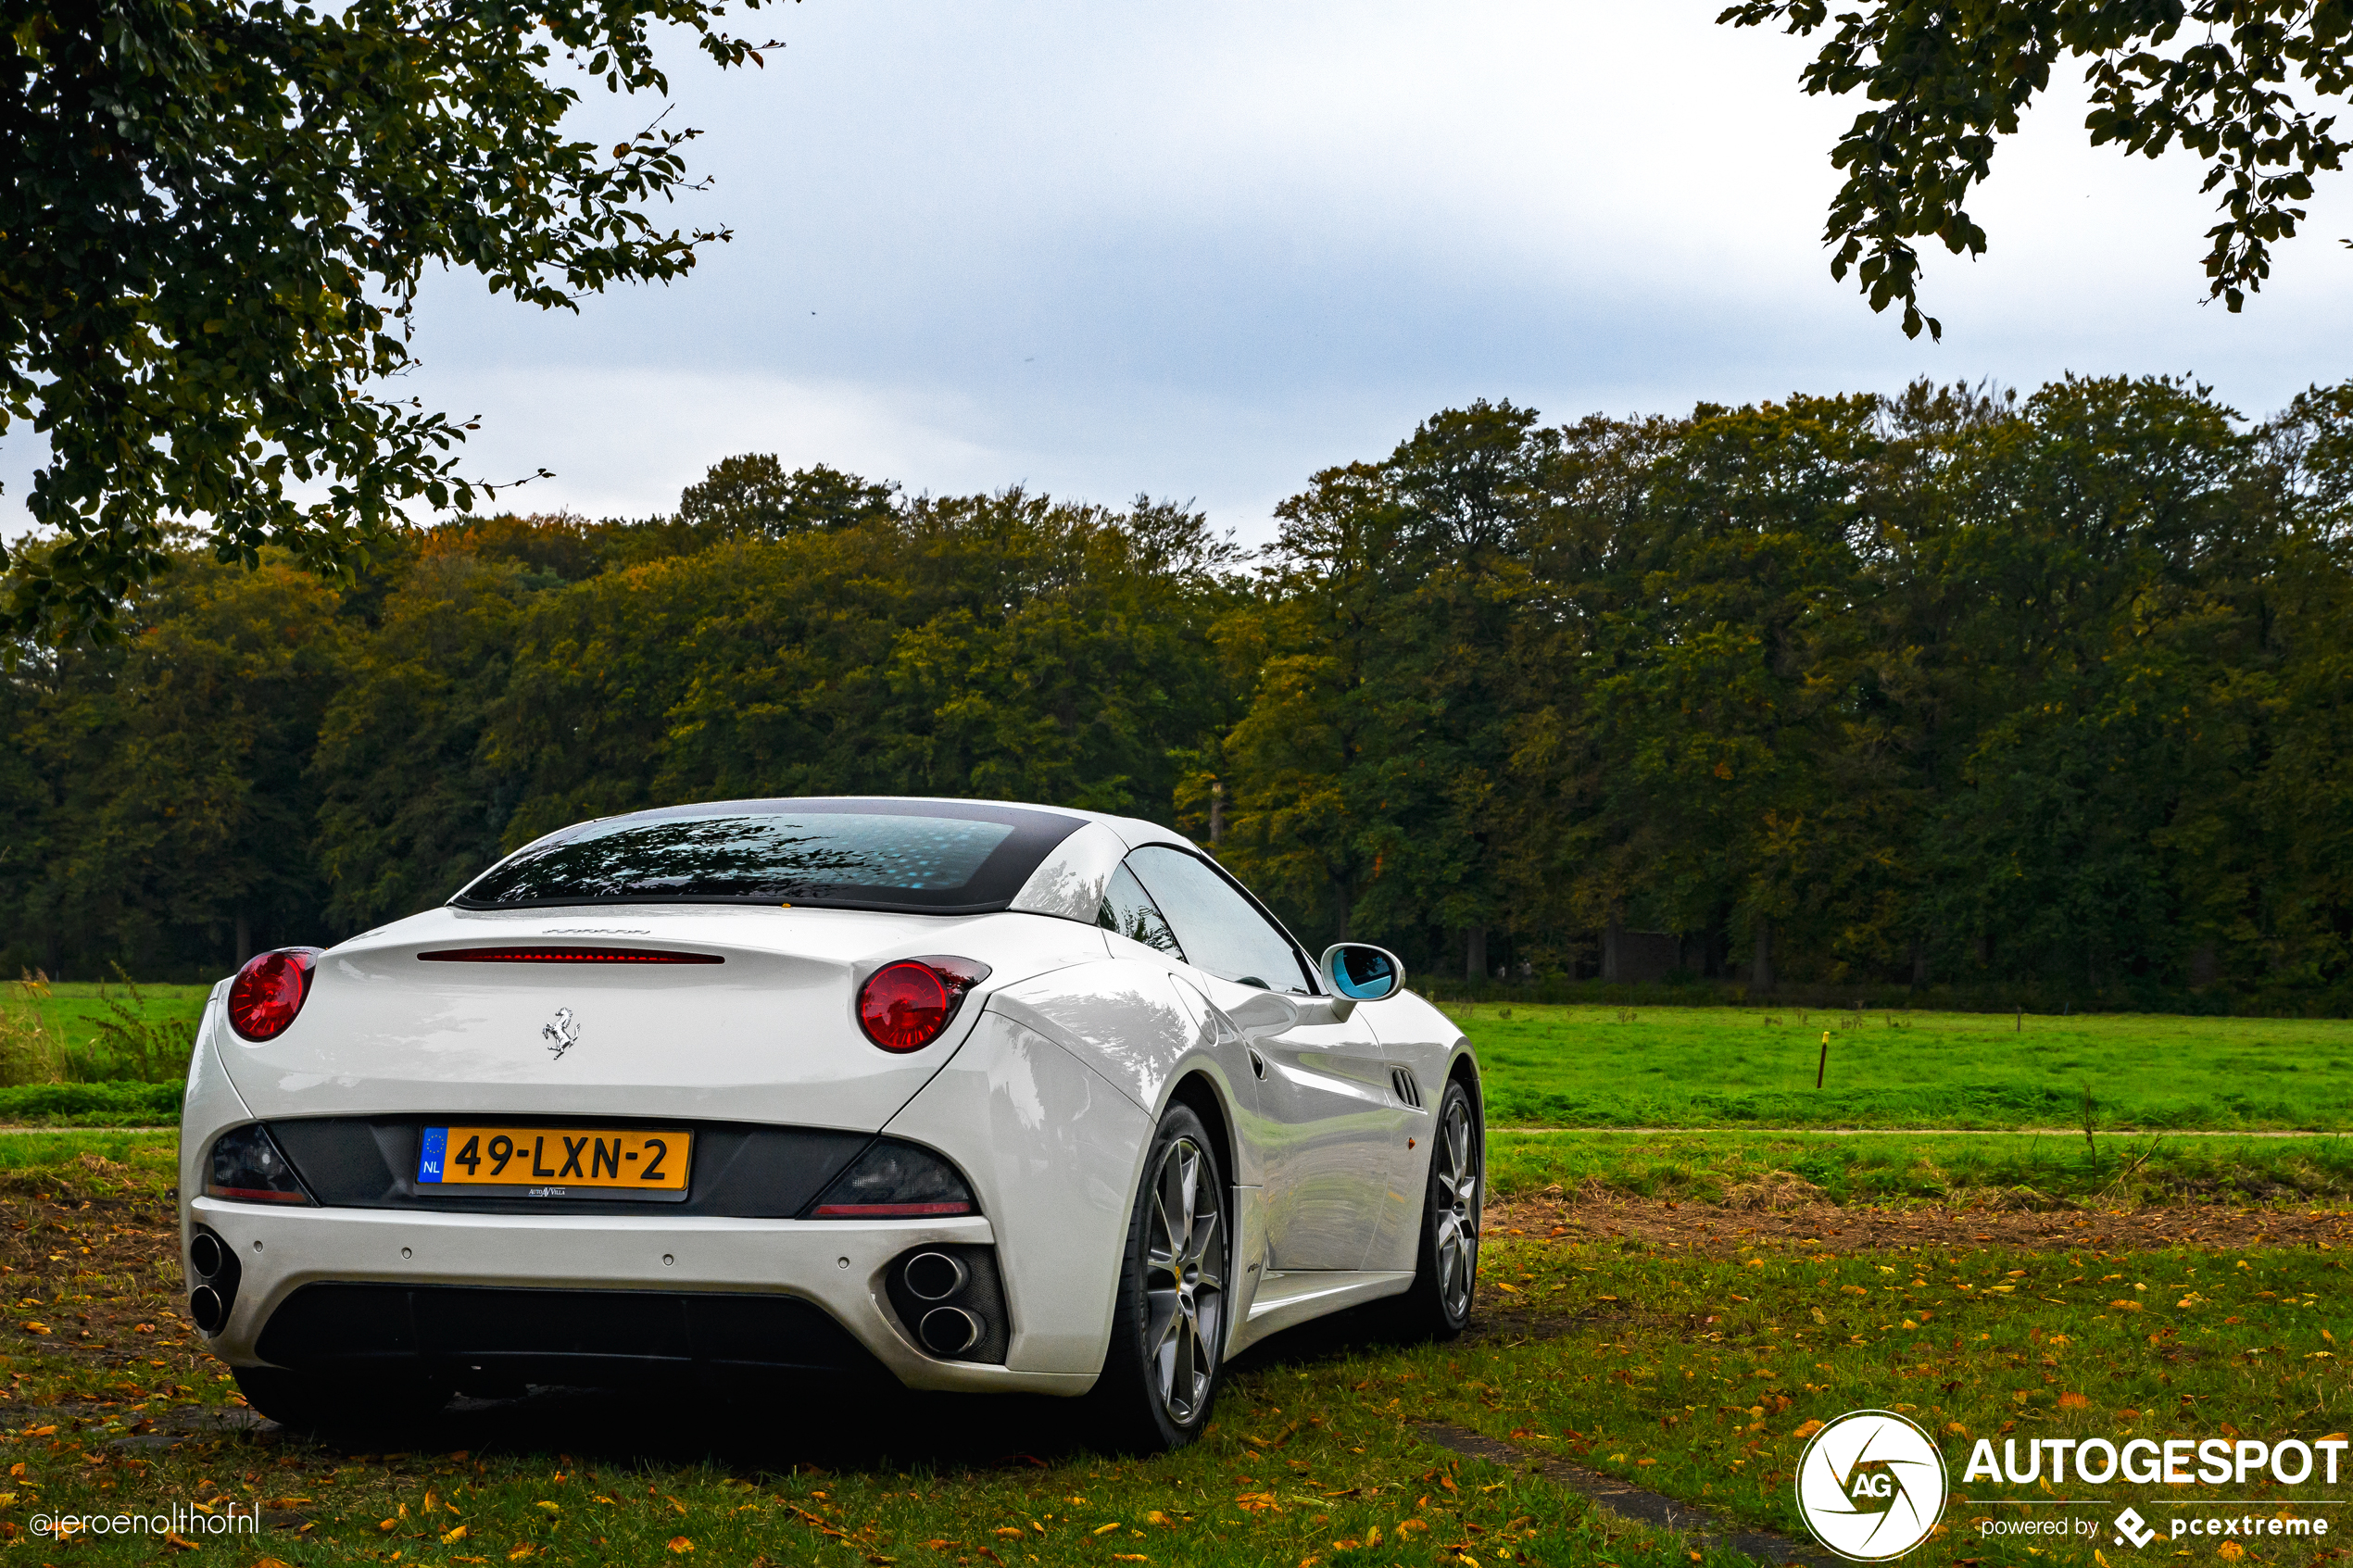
[560, 1033]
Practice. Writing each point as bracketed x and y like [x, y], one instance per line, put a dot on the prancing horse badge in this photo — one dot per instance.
[561, 1034]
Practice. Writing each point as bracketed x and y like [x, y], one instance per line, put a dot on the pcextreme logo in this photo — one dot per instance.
[1870, 1486]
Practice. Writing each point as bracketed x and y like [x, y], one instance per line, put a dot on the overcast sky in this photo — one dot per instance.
[1204, 250]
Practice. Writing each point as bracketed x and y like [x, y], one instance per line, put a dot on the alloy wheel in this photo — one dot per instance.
[1185, 1279]
[1455, 1181]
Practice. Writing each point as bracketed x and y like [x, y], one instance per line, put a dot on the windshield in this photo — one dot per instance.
[947, 858]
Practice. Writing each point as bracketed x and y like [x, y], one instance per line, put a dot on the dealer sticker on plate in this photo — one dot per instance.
[548, 1161]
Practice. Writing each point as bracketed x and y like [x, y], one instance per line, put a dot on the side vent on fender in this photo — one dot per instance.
[1408, 1092]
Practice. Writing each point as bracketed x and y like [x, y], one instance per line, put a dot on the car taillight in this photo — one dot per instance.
[906, 1006]
[896, 1181]
[247, 1165]
[270, 990]
[566, 954]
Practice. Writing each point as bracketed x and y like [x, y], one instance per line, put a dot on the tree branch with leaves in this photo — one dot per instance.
[214, 216]
[2234, 81]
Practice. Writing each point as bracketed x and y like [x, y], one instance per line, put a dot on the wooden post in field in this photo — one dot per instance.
[1824, 1066]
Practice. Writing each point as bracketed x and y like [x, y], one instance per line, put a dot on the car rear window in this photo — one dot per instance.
[941, 858]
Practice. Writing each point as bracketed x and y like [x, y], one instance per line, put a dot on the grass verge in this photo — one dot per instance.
[1732, 1066]
[111, 1104]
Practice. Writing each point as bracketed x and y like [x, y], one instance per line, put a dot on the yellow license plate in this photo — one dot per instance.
[548, 1159]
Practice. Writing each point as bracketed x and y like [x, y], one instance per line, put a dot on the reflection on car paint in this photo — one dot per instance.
[1122, 1019]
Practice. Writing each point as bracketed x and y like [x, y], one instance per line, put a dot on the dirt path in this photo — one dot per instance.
[1723, 1230]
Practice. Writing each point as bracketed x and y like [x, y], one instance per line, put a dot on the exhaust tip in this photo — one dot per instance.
[948, 1330]
[934, 1276]
[205, 1254]
[208, 1309]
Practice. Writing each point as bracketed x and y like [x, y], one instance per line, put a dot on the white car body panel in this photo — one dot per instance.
[1044, 1091]
[1325, 1111]
[1285, 1300]
[1060, 1148]
[1417, 1037]
[769, 1035]
[209, 1105]
[1131, 1023]
[1069, 884]
[282, 1249]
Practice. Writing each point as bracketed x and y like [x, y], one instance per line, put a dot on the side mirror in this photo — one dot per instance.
[1361, 974]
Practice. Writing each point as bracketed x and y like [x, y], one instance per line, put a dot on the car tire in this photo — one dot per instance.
[309, 1403]
[1437, 1304]
[1166, 1356]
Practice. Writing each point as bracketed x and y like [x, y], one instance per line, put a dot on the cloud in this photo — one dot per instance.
[1206, 250]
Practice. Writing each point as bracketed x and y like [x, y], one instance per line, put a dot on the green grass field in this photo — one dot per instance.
[1688, 1371]
[96, 1032]
[1754, 1067]
[1697, 1376]
[76, 1009]
[1693, 1373]
[1750, 1068]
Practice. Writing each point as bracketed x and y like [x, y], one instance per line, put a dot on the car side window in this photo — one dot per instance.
[1221, 930]
[1129, 910]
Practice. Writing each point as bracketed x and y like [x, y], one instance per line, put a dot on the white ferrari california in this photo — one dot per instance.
[985, 1096]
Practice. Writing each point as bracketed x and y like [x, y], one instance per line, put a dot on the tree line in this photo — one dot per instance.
[1955, 689]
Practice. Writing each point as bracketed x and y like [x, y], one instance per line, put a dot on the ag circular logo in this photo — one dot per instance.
[1870, 1486]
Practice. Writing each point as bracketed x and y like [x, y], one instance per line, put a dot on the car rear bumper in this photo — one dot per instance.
[651, 1289]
